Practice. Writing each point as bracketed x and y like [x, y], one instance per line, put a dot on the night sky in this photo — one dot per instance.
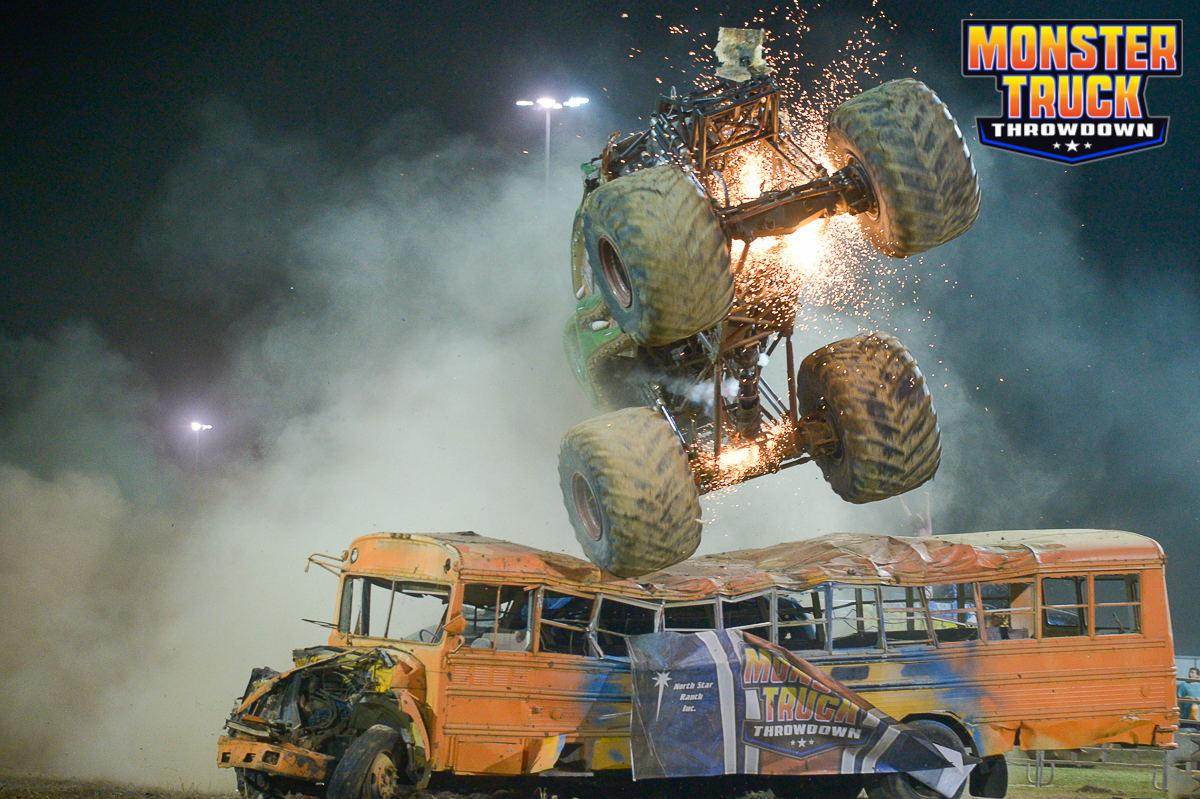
[323, 230]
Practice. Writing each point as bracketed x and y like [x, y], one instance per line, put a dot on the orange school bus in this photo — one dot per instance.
[462, 654]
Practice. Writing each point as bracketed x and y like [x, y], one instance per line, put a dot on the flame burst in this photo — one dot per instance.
[741, 459]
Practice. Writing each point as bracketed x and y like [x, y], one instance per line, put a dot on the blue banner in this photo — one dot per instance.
[722, 702]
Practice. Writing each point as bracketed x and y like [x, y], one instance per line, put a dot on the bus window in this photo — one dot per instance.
[483, 605]
[752, 615]
[854, 617]
[691, 617]
[953, 610]
[1007, 610]
[512, 630]
[1064, 606]
[905, 622]
[1118, 610]
[564, 624]
[801, 620]
[617, 621]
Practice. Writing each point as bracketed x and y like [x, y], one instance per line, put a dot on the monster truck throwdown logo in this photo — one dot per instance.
[1073, 91]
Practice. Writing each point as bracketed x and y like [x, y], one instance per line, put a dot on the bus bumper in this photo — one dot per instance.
[284, 760]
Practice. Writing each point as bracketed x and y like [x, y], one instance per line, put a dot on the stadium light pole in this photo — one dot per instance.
[550, 104]
[197, 427]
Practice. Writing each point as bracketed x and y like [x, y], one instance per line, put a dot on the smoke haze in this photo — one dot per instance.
[392, 320]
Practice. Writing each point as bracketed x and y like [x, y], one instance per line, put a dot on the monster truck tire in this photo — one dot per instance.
[872, 393]
[657, 255]
[372, 768]
[902, 786]
[578, 253]
[629, 492]
[916, 161]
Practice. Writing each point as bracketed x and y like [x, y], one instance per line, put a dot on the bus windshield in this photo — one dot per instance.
[380, 608]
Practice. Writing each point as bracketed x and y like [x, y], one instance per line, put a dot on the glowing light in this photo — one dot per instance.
[524, 102]
[197, 427]
[575, 102]
[546, 102]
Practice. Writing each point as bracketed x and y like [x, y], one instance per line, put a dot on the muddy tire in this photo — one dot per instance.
[657, 255]
[916, 161]
[372, 768]
[872, 393]
[902, 786]
[578, 253]
[629, 492]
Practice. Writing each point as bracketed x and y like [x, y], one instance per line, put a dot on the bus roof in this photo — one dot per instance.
[842, 557]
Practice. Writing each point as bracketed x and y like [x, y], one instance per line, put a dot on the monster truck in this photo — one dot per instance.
[671, 336]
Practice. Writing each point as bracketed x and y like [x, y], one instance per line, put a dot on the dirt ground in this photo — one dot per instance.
[1092, 783]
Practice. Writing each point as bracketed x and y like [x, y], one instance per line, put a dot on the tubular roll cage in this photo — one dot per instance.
[696, 132]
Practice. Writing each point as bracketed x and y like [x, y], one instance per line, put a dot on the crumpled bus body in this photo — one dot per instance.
[482, 656]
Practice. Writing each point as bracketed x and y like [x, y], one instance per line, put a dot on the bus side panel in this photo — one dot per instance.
[502, 706]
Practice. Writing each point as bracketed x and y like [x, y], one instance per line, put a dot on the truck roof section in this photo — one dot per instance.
[842, 557]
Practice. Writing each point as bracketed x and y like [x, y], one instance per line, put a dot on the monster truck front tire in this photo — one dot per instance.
[657, 255]
[916, 162]
[629, 492]
[872, 394]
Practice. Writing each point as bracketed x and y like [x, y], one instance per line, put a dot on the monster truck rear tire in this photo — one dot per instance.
[902, 786]
[629, 492]
[916, 161]
[372, 768]
[872, 393]
[657, 255]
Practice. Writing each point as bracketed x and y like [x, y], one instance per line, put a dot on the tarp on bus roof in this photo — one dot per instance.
[860, 558]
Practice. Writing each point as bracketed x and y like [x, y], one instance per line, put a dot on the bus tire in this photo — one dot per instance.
[871, 392]
[657, 255]
[629, 492]
[372, 767]
[902, 786]
[989, 779]
[917, 164]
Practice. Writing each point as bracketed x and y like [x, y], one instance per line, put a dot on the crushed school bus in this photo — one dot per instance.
[463, 654]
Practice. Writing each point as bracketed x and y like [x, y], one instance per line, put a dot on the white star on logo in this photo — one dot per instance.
[1072, 146]
[1056, 145]
[662, 679]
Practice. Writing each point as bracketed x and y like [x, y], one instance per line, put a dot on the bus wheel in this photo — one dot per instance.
[872, 394]
[902, 786]
[629, 492]
[371, 767]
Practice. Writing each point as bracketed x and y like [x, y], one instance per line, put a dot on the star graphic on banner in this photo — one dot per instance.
[1072, 146]
[1056, 145]
[662, 679]
[1087, 145]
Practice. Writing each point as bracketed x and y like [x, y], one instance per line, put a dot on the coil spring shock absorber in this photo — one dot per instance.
[747, 416]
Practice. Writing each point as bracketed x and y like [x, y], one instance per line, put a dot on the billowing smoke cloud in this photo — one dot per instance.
[89, 523]
[1078, 390]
